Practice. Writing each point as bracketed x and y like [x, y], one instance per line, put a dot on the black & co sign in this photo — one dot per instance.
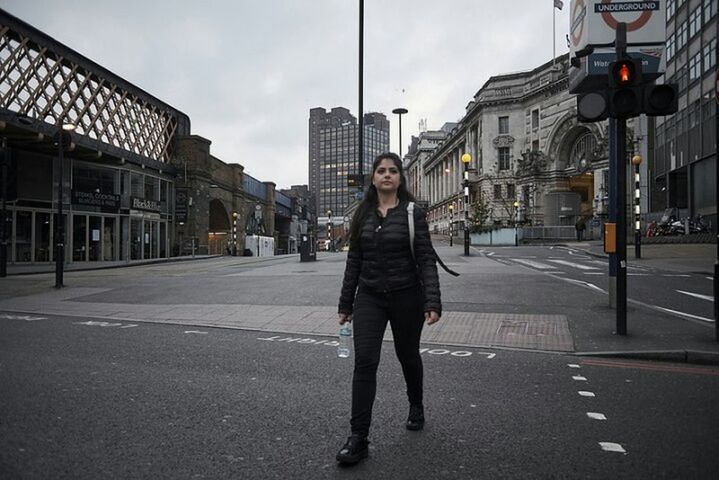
[145, 205]
[108, 202]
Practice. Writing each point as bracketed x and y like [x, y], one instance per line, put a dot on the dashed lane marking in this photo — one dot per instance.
[573, 365]
[596, 416]
[612, 447]
[579, 378]
[196, 331]
[584, 393]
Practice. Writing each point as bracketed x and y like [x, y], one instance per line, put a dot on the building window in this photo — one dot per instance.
[670, 47]
[671, 8]
[681, 36]
[535, 145]
[709, 10]
[510, 190]
[695, 67]
[503, 125]
[503, 158]
[710, 55]
[497, 191]
[535, 119]
[695, 20]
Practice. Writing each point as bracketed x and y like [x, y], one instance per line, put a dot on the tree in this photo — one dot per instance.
[479, 213]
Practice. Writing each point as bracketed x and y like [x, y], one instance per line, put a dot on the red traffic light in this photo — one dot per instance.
[625, 73]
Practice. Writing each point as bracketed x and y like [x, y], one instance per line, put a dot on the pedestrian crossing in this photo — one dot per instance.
[586, 266]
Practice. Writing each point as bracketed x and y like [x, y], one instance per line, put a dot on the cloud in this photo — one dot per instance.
[247, 72]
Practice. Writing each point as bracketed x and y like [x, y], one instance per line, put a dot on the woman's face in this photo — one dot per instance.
[386, 176]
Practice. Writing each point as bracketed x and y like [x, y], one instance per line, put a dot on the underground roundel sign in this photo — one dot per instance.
[608, 9]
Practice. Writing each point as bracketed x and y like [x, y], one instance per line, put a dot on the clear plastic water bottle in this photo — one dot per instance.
[345, 346]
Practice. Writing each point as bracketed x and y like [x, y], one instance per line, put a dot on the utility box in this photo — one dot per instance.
[307, 248]
[592, 33]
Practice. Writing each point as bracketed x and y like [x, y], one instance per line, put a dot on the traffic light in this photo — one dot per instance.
[592, 107]
[625, 88]
[660, 99]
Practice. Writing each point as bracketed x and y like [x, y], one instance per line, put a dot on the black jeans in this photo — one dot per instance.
[405, 311]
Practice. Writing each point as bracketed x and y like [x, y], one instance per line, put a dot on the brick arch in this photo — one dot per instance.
[219, 217]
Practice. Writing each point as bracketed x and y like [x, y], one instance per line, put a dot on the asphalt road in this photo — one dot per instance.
[687, 294]
[87, 399]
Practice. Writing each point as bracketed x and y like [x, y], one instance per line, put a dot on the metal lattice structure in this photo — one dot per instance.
[48, 82]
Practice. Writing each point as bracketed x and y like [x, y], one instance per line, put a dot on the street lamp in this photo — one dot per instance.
[636, 161]
[466, 159]
[63, 140]
[400, 112]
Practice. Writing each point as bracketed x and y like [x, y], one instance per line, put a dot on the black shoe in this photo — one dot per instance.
[415, 420]
[354, 450]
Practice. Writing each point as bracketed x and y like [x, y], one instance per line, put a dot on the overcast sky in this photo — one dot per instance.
[247, 72]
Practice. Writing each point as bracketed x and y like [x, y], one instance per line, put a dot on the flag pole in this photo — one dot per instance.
[554, 35]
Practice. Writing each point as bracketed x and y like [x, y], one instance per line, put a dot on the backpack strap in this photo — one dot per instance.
[410, 222]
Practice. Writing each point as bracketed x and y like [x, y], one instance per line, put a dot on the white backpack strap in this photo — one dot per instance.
[410, 222]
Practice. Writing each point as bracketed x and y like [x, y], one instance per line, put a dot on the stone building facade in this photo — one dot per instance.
[532, 162]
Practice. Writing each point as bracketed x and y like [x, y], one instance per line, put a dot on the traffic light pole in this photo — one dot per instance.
[617, 200]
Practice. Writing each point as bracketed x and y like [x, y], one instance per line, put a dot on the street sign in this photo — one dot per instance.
[593, 25]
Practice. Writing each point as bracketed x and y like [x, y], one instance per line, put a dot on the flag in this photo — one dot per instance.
[558, 4]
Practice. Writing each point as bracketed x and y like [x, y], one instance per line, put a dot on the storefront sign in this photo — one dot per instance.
[146, 205]
[107, 201]
[181, 196]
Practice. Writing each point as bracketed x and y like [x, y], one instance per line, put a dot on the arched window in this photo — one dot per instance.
[582, 152]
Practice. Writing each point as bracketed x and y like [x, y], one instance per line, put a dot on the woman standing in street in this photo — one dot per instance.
[385, 280]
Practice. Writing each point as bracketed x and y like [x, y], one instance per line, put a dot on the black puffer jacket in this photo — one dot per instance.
[381, 260]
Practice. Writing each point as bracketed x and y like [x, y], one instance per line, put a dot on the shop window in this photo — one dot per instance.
[135, 239]
[137, 185]
[93, 179]
[23, 236]
[79, 237]
[152, 188]
[42, 237]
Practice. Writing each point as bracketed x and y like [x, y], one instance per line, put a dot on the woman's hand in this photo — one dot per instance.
[344, 318]
[431, 317]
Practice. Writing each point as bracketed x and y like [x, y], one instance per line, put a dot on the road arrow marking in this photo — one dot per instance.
[697, 295]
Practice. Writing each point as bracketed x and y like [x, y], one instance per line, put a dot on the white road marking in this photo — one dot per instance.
[585, 284]
[196, 331]
[27, 318]
[594, 273]
[128, 326]
[537, 265]
[585, 394]
[679, 275]
[697, 295]
[98, 324]
[685, 315]
[574, 265]
[612, 447]
[637, 274]
[596, 416]
[579, 378]
[573, 365]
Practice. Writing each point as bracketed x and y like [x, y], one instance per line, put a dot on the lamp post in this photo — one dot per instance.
[400, 111]
[451, 220]
[636, 161]
[466, 158]
[63, 139]
[3, 216]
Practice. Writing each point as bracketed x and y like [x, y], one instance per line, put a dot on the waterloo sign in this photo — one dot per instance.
[592, 32]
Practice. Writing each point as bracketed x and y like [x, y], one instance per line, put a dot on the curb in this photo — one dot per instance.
[682, 356]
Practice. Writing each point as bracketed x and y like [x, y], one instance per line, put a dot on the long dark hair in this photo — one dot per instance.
[370, 200]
